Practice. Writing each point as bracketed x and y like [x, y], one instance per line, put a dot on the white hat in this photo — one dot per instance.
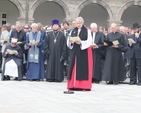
[14, 40]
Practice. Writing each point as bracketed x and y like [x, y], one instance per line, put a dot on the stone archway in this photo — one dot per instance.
[59, 2]
[125, 6]
[19, 7]
[99, 2]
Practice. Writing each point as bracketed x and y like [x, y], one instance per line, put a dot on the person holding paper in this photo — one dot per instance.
[35, 62]
[13, 61]
[135, 55]
[125, 53]
[114, 64]
[21, 36]
[55, 53]
[81, 61]
[99, 50]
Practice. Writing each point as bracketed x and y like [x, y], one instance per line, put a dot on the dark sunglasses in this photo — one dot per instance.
[26, 28]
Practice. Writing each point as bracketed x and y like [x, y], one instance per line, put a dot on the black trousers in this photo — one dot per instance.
[0, 60]
[135, 67]
[98, 64]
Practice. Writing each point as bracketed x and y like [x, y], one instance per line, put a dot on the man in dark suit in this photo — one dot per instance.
[21, 36]
[98, 52]
[0, 53]
[66, 32]
[135, 55]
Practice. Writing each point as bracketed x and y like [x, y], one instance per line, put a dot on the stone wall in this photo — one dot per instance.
[72, 8]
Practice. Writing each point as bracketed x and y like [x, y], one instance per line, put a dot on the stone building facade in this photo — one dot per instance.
[103, 12]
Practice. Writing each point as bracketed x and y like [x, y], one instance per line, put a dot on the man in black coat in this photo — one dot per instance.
[66, 32]
[98, 52]
[20, 35]
[114, 64]
[135, 55]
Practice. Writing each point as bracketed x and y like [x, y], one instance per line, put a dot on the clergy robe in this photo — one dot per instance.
[98, 54]
[81, 61]
[54, 50]
[17, 59]
[35, 62]
[114, 63]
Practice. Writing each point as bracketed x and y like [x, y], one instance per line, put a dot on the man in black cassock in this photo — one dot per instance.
[98, 49]
[114, 64]
[54, 50]
[13, 61]
[66, 32]
[135, 55]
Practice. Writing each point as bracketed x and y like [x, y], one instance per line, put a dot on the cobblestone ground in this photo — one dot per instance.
[43, 97]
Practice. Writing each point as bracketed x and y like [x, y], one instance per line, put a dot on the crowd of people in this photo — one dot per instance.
[85, 55]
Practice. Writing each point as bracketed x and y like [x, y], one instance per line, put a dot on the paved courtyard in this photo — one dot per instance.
[43, 97]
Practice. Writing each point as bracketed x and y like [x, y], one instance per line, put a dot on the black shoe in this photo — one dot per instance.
[133, 82]
[139, 83]
[116, 82]
[38, 80]
[110, 82]
[50, 80]
[96, 81]
[16, 78]
[7, 77]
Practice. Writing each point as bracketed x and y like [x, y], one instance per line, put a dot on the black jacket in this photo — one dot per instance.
[135, 49]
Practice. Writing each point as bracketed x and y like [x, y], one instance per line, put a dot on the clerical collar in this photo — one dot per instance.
[55, 31]
[114, 32]
[18, 31]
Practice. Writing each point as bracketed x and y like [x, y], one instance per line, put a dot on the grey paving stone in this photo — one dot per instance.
[44, 97]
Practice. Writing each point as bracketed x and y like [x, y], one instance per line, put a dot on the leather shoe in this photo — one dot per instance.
[133, 82]
[139, 83]
[116, 82]
[110, 82]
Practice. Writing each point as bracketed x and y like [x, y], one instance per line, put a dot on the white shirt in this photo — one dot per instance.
[93, 37]
[78, 32]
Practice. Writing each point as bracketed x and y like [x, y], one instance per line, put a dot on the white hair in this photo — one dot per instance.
[113, 25]
[34, 24]
[80, 19]
[18, 24]
[39, 24]
[13, 26]
[93, 25]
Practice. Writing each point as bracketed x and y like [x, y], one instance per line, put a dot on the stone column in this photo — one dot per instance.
[22, 20]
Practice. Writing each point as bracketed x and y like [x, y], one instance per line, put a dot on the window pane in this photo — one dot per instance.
[3, 15]
[3, 22]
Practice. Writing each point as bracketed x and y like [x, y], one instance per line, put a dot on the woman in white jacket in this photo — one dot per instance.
[4, 40]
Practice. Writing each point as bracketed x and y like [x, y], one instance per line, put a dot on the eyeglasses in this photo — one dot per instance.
[13, 43]
[26, 28]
